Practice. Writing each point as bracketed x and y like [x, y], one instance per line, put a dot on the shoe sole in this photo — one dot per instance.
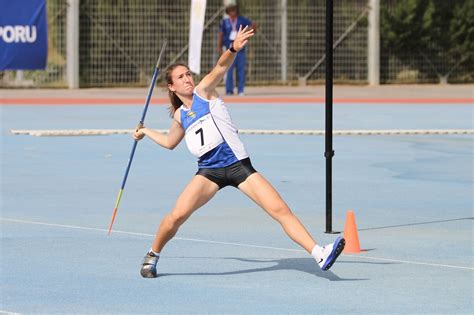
[336, 251]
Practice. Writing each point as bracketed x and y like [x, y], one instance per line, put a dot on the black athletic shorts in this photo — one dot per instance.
[232, 175]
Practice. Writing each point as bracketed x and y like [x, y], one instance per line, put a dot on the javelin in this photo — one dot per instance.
[150, 92]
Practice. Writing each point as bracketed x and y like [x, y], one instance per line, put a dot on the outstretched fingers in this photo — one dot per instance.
[246, 31]
[242, 37]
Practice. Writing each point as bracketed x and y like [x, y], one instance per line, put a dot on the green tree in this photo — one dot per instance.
[462, 38]
[435, 30]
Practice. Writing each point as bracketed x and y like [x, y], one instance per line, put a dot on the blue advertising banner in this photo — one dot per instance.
[23, 34]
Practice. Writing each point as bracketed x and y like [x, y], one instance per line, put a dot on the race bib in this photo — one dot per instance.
[232, 35]
[203, 136]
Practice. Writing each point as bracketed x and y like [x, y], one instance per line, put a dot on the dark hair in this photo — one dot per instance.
[231, 7]
[176, 102]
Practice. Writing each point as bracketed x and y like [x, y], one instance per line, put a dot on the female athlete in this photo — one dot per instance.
[201, 118]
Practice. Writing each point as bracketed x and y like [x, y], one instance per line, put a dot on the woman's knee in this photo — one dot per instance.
[280, 211]
[176, 219]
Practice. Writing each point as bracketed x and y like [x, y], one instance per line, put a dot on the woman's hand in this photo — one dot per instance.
[242, 37]
[207, 86]
[139, 134]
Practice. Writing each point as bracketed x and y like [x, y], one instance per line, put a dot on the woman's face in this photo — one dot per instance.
[183, 83]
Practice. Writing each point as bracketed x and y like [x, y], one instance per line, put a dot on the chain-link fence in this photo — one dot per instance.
[306, 40]
[120, 41]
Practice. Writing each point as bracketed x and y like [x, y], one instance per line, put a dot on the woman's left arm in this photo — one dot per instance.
[208, 84]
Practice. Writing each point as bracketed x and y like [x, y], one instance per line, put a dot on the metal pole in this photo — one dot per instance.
[373, 49]
[284, 45]
[72, 45]
[329, 153]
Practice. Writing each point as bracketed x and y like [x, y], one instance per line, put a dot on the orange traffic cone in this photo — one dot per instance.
[350, 234]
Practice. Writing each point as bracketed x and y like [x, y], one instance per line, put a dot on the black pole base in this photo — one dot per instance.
[332, 232]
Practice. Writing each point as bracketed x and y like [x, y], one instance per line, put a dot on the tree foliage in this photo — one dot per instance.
[439, 32]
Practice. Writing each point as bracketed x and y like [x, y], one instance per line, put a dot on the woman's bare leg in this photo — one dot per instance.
[263, 193]
[197, 193]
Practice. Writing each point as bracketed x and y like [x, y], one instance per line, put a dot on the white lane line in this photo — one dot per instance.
[361, 256]
[144, 234]
[388, 132]
[409, 262]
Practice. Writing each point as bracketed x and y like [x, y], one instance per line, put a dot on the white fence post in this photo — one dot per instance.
[373, 49]
[72, 45]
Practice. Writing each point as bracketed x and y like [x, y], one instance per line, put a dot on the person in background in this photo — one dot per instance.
[228, 30]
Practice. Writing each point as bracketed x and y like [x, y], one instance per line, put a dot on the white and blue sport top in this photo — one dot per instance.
[210, 134]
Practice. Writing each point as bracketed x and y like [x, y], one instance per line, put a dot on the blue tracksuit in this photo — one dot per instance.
[240, 61]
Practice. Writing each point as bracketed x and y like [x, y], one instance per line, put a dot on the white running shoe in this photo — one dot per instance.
[330, 253]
